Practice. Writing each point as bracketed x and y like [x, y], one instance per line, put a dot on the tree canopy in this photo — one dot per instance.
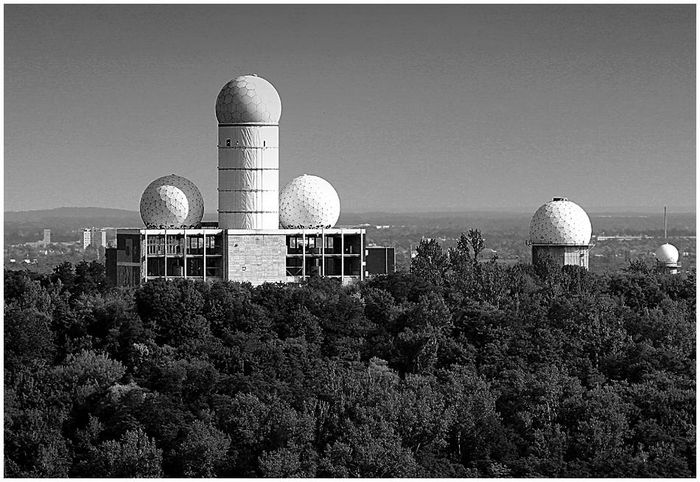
[461, 367]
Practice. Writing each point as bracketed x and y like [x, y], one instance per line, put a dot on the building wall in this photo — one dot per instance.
[246, 255]
[99, 238]
[562, 255]
[256, 258]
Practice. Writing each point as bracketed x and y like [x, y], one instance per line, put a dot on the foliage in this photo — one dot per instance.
[461, 367]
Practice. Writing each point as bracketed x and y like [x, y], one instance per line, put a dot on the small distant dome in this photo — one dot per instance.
[309, 202]
[173, 202]
[560, 222]
[248, 99]
[667, 254]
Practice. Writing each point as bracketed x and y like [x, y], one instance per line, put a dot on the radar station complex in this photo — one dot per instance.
[264, 235]
[261, 235]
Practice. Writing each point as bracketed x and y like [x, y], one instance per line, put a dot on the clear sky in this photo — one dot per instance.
[401, 107]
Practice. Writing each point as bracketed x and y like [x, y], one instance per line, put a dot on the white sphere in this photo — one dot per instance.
[667, 254]
[172, 201]
[560, 222]
[248, 99]
[309, 202]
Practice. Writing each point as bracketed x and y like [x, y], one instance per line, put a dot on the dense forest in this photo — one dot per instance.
[458, 368]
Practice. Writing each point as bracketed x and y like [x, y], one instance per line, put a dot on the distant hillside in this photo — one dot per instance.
[67, 212]
[66, 222]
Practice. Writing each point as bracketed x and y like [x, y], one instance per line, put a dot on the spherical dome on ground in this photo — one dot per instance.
[248, 99]
[309, 202]
[560, 221]
[667, 254]
[172, 201]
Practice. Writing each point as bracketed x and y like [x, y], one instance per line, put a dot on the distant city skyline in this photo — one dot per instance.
[400, 107]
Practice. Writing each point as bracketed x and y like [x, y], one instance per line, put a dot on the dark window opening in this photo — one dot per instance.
[156, 267]
[195, 266]
[214, 267]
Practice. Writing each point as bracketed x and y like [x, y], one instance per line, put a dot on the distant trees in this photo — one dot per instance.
[461, 367]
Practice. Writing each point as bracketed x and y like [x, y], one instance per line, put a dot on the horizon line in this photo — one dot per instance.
[688, 209]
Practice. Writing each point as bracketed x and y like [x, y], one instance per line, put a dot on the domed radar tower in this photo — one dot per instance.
[667, 254]
[248, 110]
[171, 202]
[309, 202]
[560, 230]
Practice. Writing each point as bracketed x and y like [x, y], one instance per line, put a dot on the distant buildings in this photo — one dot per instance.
[667, 258]
[97, 238]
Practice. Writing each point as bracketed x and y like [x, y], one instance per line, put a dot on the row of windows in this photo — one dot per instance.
[328, 244]
[184, 267]
[179, 244]
[329, 267]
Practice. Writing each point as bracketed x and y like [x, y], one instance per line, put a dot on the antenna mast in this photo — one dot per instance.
[665, 225]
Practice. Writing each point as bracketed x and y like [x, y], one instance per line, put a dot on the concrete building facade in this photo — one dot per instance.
[255, 256]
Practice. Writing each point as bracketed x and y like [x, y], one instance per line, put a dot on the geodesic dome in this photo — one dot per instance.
[309, 202]
[248, 99]
[560, 222]
[667, 254]
[172, 202]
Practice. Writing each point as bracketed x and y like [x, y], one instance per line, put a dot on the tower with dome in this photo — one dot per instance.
[261, 235]
[561, 231]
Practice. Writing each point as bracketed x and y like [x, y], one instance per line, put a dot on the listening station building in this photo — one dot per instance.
[560, 230]
[261, 235]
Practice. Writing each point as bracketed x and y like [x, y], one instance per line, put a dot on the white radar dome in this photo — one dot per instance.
[667, 254]
[248, 99]
[560, 221]
[309, 202]
[173, 202]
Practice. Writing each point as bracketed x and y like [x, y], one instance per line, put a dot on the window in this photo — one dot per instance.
[214, 267]
[174, 244]
[195, 244]
[195, 267]
[294, 245]
[156, 244]
[213, 244]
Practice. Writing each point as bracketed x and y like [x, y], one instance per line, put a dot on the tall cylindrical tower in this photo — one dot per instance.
[248, 110]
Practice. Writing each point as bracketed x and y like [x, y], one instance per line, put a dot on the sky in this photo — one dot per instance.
[402, 108]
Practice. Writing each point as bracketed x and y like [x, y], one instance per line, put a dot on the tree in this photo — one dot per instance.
[202, 450]
[173, 310]
[87, 373]
[89, 277]
[28, 338]
[134, 455]
[430, 262]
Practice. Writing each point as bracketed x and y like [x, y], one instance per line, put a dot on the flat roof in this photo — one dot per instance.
[240, 232]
